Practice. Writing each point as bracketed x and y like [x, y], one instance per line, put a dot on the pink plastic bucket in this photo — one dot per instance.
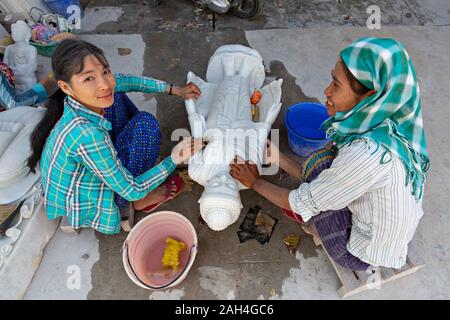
[144, 248]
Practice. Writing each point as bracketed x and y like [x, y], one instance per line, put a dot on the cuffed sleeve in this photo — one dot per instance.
[130, 83]
[39, 89]
[302, 204]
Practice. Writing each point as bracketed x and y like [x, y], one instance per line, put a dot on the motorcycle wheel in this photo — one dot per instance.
[248, 9]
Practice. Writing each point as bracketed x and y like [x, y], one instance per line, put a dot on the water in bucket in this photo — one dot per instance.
[303, 121]
[156, 271]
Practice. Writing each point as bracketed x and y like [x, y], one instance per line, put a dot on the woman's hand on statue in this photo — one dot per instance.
[186, 149]
[273, 154]
[244, 171]
[189, 91]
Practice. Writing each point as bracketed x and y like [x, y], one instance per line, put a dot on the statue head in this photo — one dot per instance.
[20, 31]
[220, 204]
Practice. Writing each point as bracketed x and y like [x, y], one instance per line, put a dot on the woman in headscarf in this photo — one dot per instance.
[364, 195]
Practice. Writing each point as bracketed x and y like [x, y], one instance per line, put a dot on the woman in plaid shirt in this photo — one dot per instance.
[97, 151]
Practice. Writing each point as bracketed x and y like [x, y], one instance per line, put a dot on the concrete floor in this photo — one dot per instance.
[299, 41]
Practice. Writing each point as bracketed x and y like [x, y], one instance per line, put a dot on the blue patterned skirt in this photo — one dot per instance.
[136, 136]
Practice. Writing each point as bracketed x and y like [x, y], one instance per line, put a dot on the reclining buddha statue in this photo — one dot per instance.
[223, 117]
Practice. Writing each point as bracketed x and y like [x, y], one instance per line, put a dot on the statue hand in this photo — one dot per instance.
[244, 171]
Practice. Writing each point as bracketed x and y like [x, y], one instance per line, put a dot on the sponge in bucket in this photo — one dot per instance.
[171, 256]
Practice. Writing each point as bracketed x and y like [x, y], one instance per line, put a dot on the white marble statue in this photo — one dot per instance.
[21, 57]
[222, 115]
[29, 232]
[16, 182]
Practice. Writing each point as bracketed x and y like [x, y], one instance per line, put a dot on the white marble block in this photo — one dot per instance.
[22, 247]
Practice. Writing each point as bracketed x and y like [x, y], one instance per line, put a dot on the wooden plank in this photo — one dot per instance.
[346, 276]
[125, 224]
[363, 276]
[317, 241]
[403, 269]
[348, 279]
[386, 273]
[368, 286]
[354, 282]
[129, 212]
[413, 261]
[404, 273]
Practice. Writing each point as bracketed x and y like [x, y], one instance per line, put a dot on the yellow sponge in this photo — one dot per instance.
[172, 251]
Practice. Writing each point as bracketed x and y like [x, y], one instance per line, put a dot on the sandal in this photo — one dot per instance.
[308, 227]
[170, 194]
[292, 215]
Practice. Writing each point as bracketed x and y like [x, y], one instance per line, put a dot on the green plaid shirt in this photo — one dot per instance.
[80, 170]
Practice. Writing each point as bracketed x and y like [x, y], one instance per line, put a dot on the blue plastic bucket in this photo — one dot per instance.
[303, 121]
[60, 6]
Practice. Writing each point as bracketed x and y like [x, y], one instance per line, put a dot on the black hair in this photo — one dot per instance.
[356, 86]
[67, 60]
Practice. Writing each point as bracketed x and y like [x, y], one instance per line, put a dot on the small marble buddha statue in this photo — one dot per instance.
[222, 116]
[21, 57]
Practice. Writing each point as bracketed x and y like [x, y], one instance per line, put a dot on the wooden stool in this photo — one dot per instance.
[127, 211]
[65, 226]
[354, 282]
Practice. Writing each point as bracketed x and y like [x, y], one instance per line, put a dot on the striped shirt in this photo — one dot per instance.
[384, 212]
[80, 171]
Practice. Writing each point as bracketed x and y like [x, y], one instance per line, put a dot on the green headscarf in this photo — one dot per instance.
[391, 117]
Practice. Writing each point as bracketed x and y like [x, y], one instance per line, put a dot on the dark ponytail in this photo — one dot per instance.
[67, 60]
[55, 109]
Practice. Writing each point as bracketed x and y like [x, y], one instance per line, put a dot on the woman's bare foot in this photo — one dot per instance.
[156, 196]
[310, 229]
